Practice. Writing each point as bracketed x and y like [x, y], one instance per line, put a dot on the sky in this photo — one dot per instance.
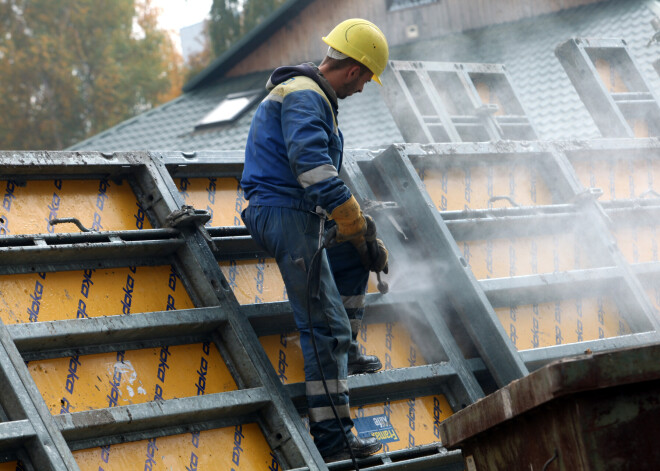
[179, 13]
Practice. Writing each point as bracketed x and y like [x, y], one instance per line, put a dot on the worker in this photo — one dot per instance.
[292, 159]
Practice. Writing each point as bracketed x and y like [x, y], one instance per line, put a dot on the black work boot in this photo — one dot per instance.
[362, 447]
[359, 363]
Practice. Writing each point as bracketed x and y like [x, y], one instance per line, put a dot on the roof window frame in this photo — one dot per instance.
[249, 98]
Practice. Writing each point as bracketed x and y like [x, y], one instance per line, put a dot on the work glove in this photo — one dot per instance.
[372, 251]
[378, 256]
[350, 221]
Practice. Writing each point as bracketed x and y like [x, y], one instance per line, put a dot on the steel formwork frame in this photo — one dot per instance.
[611, 86]
[455, 102]
[414, 230]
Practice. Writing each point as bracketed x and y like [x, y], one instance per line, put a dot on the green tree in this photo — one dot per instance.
[231, 19]
[72, 68]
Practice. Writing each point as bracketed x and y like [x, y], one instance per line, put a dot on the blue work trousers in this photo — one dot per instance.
[291, 236]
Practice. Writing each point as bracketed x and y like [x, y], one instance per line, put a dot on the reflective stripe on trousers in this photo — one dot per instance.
[291, 237]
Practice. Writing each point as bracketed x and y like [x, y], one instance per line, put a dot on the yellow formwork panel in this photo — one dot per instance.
[86, 382]
[615, 84]
[623, 178]
[403, 424]
[100, 205]
[90, 293]
[562, 322]
[259, 280]
[488, 97]
[254, 281]
[12, 466]
[391, 342]
[502, 258]
[471, 187]
[654, 295]
[231, 448]
[638, 243]
[397, 424]
[222, 197]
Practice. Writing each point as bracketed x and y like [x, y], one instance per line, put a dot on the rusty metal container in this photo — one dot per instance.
[593, 412]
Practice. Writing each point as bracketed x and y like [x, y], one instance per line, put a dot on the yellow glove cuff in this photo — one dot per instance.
[349, 219]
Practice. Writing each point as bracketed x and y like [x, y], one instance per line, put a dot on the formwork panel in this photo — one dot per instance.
[255, 281]
[638, 243]
[100, 205]
[622, 178]
[87, 382]
[390, 341]
[471, 187]
[49, 296]
[562, 322]
[404, 423]
[223, 198]
[489, 95]
[238, 447]
[501, 258]
[615, 83]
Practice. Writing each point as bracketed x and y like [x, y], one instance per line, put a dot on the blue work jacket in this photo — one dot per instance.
[294, 148]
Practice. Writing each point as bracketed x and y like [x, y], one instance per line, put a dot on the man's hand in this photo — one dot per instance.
[373, 253]
[350, 221]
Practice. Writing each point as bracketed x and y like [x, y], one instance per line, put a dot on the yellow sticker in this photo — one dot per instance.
[391, 342]
[86, 382]
[90, 293]
[242, 447]
[562, 322]
[100, 205]
[216, 195]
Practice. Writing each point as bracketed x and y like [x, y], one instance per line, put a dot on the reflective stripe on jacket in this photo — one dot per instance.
[294, 150]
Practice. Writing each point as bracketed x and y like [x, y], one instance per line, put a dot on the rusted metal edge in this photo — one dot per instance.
[561, 378]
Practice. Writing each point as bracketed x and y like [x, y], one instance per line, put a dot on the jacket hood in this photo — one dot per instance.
[282, 74]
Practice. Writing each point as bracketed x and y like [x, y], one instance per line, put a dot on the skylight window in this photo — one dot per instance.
[229, 109]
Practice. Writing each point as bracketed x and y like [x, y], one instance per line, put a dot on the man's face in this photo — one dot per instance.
[354, 85]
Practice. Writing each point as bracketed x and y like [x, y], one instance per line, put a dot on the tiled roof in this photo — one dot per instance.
[525, 47]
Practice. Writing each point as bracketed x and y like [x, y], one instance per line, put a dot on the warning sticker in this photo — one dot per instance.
[377, 426]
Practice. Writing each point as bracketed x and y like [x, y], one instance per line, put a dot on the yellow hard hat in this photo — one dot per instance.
[363, 41]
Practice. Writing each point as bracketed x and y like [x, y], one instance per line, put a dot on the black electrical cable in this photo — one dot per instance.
[315, 269]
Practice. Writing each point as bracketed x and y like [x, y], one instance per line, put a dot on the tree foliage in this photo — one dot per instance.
[231, 19]
[72, 68]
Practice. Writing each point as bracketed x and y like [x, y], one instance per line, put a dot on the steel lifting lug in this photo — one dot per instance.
[75, 221]
[188, 216]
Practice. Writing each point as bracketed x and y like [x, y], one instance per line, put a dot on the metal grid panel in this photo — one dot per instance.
[450, 102]
[609, 83]
[447, 341]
